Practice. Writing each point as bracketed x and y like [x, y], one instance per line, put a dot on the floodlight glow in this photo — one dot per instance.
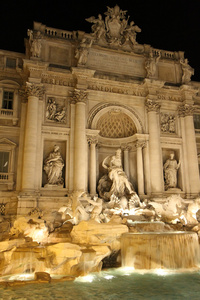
[87, 278]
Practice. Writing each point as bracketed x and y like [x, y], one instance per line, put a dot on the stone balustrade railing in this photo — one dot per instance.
[6, 112]
[168, 54]
[59, 33]
[5, 177]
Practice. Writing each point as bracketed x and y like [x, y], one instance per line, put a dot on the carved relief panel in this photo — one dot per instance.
[55, 110]
[167, 123]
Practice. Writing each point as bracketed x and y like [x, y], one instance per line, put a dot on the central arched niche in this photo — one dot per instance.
[116, 124]
[115, 121]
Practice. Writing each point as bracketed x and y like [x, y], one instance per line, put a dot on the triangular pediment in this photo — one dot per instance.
[6, 141]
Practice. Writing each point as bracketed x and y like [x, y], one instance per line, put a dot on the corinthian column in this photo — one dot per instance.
[140, 171]
[30, 140]
[80, 157]
[189, 141]
[92, 169]
[156, 168]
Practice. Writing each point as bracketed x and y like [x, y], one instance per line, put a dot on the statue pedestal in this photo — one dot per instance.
[53, 186]
[173, 191]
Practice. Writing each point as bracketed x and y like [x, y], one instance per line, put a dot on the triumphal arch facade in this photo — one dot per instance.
[75, 98]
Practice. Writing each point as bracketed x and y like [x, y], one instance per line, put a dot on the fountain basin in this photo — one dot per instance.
[160, 250]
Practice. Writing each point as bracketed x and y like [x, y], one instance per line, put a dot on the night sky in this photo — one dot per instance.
[172, 25]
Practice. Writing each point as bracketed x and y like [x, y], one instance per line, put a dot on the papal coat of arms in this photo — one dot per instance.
[115, 30]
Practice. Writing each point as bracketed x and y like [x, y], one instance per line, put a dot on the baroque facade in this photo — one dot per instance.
[74, 98]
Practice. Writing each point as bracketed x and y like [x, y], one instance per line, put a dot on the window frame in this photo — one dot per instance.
[7, 179]
[4, 99]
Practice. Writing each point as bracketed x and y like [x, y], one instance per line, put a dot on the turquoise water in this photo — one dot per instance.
[112, 284]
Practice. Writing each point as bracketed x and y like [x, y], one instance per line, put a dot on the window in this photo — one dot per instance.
[8, 100]
[7, 164]
[11, 63]
[197, 121]
[4, 161]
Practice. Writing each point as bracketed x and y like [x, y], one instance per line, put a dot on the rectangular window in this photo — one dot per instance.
[11, 63]
[197, 121]
[8, 100]
[4, 160]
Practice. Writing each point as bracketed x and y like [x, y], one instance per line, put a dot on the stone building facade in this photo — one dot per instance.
[91, 94]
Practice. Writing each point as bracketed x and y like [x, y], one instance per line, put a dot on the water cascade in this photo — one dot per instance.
[160, 250]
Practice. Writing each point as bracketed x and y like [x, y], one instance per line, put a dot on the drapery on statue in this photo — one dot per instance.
[151, 64]
[187, 71]
[53, 166]
[116, 182]
[170, 172]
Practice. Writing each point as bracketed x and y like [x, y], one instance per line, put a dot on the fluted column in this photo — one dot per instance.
[186, 112]
[140, 172]
[80, 159]
[30, 140]
[92, 167]
[157, 185]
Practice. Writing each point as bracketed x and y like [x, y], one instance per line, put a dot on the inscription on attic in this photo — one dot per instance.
[116, 63]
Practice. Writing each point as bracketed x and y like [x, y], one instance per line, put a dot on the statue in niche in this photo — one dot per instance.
[170, 172]
[115, 182]
[54, 113]
[82, 52]
[187, 71]
[53, 166]
[151, 64]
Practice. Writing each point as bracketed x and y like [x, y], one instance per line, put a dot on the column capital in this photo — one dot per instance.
[79, 96]
[92, 140]
[186, 110]
[33, 89]
[152, 105]
[140, 144]
[126, 147]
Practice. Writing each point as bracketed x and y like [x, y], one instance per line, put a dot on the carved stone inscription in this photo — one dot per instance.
[115, 63]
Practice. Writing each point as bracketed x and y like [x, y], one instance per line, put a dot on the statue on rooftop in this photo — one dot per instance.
[187, 71]
[35, 43]
[115, 30]
[98, 28]
[151, 64]
[82, 52]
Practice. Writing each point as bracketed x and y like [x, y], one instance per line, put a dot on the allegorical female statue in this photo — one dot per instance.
[170, 172]
[53, 166]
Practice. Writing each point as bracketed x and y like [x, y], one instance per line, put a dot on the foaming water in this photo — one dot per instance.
[122, 283]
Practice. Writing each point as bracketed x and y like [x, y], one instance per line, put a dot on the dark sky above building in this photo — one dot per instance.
[172, 25]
